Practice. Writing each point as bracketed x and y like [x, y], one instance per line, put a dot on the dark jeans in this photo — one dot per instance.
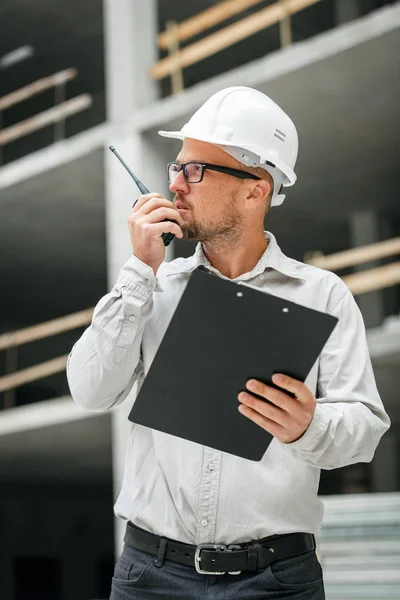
[142, 576]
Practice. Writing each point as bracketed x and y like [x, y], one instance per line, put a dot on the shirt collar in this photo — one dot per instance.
[273, 258]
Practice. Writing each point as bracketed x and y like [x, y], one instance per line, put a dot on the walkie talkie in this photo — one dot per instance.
[167, 237]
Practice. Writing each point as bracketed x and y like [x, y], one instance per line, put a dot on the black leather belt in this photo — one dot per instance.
[218, 559]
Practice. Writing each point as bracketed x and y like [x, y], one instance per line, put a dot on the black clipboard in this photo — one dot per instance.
[220, 335]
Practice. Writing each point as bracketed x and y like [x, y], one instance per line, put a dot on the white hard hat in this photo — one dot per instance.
[251, 127]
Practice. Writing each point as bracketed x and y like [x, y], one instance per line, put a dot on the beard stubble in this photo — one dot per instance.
[224, 229]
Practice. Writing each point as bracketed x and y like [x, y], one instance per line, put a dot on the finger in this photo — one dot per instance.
[278, 398]
[153, 204]
[162, 213]
[270, 426]
[296, 387]
[168, 227]
[264, 408]
[142, 200]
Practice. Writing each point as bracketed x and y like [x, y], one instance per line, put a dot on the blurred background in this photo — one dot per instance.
[76, 77]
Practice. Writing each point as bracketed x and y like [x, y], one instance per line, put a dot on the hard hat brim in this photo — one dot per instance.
[178, 135]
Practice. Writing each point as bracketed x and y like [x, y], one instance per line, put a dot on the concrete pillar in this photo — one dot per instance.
[365, 229]
[346, 10]
[130, 29]
[388, 229]
[384, 467]
[130, 49]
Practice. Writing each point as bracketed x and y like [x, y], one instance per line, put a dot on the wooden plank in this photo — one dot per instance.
[206, 19]
[36, 87]
[47, 329]
[173, 51]
[229, 35]
[47, 117]
[11, 367]
[357, 256]
[56, 365]
[285, 27]
[373, 279]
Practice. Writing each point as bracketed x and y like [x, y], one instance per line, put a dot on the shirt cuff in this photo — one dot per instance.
[317, 427]
[137, 274]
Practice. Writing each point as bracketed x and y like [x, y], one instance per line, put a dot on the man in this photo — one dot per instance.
[238, 150]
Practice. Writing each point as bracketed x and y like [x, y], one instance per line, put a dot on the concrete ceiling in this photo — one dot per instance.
[77, 452]
[52, 240]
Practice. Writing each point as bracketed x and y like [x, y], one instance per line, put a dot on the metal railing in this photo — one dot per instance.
[358, 283]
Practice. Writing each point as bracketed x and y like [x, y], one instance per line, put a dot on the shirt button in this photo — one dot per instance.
[132, 319]
[211, 466]
[204, 522]
[261, 276]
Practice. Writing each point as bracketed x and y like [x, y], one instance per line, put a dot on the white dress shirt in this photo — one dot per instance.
[196, 494]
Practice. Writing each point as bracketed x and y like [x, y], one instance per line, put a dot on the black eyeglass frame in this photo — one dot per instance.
[227, 170]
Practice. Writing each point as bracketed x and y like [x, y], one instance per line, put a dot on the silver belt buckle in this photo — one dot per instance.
[197, 557]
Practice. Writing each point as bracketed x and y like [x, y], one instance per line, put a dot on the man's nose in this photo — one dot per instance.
[179, 185]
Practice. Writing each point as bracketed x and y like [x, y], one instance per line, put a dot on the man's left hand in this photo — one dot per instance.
[284, 417]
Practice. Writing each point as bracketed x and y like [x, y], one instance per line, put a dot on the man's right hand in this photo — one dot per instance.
[147, 224]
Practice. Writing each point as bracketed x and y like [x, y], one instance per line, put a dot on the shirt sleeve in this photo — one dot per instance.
[349, 419]
[106, 361]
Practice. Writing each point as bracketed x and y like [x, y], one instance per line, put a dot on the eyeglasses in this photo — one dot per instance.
[193, 172]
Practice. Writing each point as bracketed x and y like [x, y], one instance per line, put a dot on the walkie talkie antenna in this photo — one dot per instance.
[140, 185]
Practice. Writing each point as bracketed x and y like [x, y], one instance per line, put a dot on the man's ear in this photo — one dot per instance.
[260, 190]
